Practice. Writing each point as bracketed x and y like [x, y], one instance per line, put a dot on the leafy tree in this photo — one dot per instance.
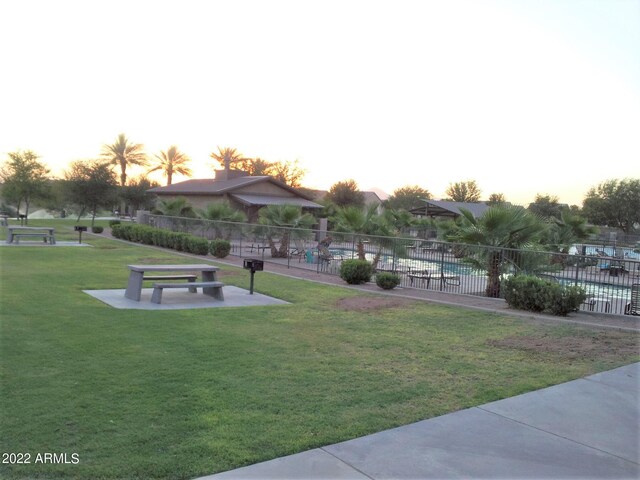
[171, 161]
[288, 216]
[25, 179]
[123, 153]
[175, 207]
[407, 198]
[345, 193]
[496, 199]
[256, 167]
[546, 206]
[90, 185]
[288, 173]
[502, 227]
[229, 158]
[136, 194]
[467, 191]
[614, 203]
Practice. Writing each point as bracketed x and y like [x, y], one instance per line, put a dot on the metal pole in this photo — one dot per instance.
[253, 272]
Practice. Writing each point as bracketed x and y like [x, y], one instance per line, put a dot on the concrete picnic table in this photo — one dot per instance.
[136, 276]
[15, 232]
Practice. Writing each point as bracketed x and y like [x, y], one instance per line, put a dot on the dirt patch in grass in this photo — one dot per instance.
[593, 345]
[364, 304]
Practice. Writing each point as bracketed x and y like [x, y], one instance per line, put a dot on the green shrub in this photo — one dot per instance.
[97, 229]
[387, 280]
[355, 272]
[114, 222]
[526, 292]
[565, 299]
[117, 231]
[197, 245]
[220, 248]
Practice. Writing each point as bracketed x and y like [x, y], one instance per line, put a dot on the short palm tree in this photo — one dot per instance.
[501, 227]
[220, 212]
[288, 216]
[123, 153]
[363, 222]
[175, 207]
[171, 161]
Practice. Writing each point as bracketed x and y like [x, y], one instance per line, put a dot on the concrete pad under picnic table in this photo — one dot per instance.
[183, 299]
[40, 243]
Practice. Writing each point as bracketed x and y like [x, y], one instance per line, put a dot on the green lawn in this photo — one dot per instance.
[178, 394]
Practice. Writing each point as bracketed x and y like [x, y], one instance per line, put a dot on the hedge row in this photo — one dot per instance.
[182, 242]
[526, 292]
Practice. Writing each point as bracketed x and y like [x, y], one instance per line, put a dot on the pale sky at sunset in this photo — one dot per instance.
[523, 96]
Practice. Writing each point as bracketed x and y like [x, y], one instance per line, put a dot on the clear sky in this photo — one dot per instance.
[523, 96]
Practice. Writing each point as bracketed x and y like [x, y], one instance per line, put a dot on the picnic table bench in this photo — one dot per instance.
[209, 284]
[14, 233]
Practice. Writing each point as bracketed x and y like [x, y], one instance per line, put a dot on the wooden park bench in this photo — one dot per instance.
[213, 289]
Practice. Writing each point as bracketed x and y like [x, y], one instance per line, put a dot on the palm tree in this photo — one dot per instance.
[501, 227]
[170, 162]
[566, 231]
[361, 221]
[222, 212]
[227, 157]
[124, 153]
[291, 218]
[175, 207]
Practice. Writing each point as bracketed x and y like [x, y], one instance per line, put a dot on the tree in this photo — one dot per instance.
[345, 193]
[136, 193]
[546, 206]
[256, 167]
[175, 207]
[502, 227]
[221, 212]
[123, 153]
[614, 203]
[229, 158]
[25, 179]
[361, 221]
[467, 191]
[90, 185]
[567, 230]
[171, 161]
[496, 199]
[288, 173]
[407, 198]
[288, 216]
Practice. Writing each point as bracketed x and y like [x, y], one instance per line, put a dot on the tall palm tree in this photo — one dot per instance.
[123, 153]
[171, 161]
[227, 157]
[502, 227]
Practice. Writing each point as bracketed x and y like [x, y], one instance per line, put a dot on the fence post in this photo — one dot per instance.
[441, 267]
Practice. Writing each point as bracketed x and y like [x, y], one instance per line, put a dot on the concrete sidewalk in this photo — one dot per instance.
[586, 428]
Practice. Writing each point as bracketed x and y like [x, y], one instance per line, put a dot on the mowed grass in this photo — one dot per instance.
[183, 393]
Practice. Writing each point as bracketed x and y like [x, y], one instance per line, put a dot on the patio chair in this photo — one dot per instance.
[633, 307]
[298, 250]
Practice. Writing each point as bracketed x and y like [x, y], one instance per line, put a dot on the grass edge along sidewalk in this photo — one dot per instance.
[186, 393]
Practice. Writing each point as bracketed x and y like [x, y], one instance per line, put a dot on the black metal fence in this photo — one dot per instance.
[606, 273]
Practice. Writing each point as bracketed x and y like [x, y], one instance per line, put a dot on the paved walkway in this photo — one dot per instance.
[586, 428]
